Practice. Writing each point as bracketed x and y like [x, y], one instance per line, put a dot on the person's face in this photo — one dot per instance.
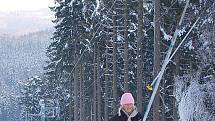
[129, 108]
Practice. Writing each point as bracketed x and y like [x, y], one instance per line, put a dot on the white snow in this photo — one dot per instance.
[166, 36]
[196, 101]
[190, 45]
[181, 32]
[120, 38]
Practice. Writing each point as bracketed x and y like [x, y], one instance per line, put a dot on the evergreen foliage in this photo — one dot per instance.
[79, 72]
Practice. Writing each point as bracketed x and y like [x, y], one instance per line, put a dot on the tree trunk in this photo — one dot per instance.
[76, 95]
[176, 59]
[162, 102]
[98, 86]
[139, 57]
[114, 66]
[70, 100]
[94, 86]
[76, 88]
[213, 36]
[82, 94]
[126, 81]
[156, 67]
[106, 85]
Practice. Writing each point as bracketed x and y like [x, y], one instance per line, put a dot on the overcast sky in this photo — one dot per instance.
[19, 5]
[30, 14]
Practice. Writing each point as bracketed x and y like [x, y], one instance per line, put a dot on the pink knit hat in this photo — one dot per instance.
[127, 98]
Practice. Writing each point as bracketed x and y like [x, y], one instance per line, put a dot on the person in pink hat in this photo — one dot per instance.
[127, 110]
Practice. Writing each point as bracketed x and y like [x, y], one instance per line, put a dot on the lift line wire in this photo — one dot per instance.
[165, 62]
[153, 82]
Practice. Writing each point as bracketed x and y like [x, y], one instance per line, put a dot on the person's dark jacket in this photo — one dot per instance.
[121, 116]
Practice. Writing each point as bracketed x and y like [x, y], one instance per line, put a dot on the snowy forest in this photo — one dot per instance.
[21, 58]
[161, 51]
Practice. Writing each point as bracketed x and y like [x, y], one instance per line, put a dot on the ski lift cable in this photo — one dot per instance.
[173, 42]
[184, 38]
[165, 63]
[159, 76]
[161, 72]
[150, 86]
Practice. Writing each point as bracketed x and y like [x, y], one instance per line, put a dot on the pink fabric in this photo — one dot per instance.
[127, 98]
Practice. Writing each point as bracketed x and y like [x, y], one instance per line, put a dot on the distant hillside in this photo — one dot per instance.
[20, 59]
[24, 56]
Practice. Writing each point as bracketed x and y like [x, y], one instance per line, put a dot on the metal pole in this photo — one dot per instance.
[166, 60]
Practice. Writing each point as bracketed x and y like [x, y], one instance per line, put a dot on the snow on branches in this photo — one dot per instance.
[195, 100]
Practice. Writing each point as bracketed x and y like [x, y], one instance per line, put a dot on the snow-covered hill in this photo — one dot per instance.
[20, 59]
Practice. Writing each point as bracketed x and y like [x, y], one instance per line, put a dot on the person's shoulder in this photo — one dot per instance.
[114, 118]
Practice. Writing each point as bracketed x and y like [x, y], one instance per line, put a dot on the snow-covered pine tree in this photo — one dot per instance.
[69, 47]
[32, 92]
